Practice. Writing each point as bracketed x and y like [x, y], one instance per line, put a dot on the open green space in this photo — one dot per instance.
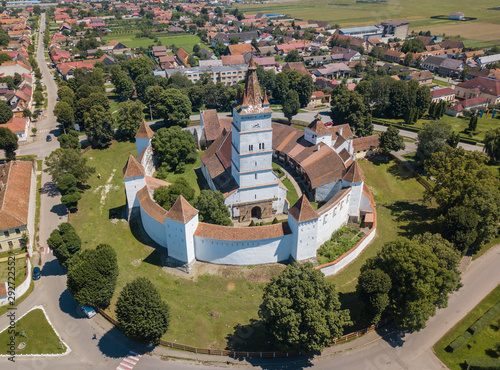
[20, 269]
[205, 305]
[400, 212]
[35, 332]
[185, 41]
[460, 124]
[291, 195]
[192, 173]
[348, 13]
[481, 345]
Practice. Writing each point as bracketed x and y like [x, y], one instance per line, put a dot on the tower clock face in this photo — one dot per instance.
[256, 125]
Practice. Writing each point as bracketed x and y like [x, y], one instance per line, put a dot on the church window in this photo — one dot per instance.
[255, 176]
[255, 196]
[255, 164]
[250, 148]
[261, 145]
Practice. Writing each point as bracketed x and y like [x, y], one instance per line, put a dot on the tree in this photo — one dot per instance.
[92, 276]
[423, 100]
[491, 143]
[70, 195]
[408, 61]
[432, 138]
[391, 140]
[473, 123]
[174, 147]
[66, 94]
[166, 196]
[281, 87]
[212, 208]
[291, 105]
[463, 179]
[234, 40]
[99, 126]
[422, 271]
[5, 112]
[373, 290]
[65, 115]
[301, 310]
[347, 106]
[293, 56]
[413, 45]
[8, 142]
[459, 225]
[4, 57]
[130, 117]
[71, 140]
[305, 90]
[174, 107]
[64, 242]
[141, 313]
[124, 86]
[62, 161]
[142, 83]
[38, 97]
[365, 126]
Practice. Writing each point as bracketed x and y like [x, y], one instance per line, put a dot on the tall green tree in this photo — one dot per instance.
[166, 196]
[301, 310]
[463, 179]
[473, 123]
[293, 56]
[391, 140]
[99, 126]
[491, 143]
[65, 115]
[62, 161]
[174, 107]
[422, 271]
[66, 94]
[5, 112]
[129, 118]
[291, 105]
[71, 140]
[174, 148]
[432, 139]
[8, 142]
[64, 242]
[373, 290]
[347, 107]
[212, 208]
[141, 313]
[92, 276]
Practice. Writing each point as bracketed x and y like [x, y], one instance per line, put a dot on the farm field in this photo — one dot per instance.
[349, 13]
[185, 41]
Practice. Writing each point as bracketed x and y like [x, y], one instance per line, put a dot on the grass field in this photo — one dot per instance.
[400, 212]
[480, 345]
[20, 269]
[185, 41]
[192, 174]
[291, 195]
[459, 124]
[41, 338]
[205, 306]
[348, 13]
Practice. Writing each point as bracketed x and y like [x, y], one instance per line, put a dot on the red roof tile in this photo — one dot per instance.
[302, 210]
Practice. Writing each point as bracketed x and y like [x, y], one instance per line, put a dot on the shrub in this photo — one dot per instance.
[459, 342]
[483, 363]
[485, 319]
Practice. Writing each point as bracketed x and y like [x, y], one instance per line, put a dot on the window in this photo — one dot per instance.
[261, 146]
[18, 231]
[250, 148]
[255, 176]
[11, 245]
[6, 234]
[255, 164]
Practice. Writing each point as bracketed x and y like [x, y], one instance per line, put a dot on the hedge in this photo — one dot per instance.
[485, 319]
[483, 364]
[459, 342]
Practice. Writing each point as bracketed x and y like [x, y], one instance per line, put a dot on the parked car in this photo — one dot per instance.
[49, 138]
[329, 123]
[88, 312]
[36, 273]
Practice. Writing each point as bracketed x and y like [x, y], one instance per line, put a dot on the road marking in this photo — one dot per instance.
[47, 250]
[129, 361]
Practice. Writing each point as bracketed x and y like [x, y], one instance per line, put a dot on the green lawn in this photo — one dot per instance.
[20, 269]
[41, 338]
[291, 195]
[459, 124]
[400, 212]
[185, 41]
[481, 344]
[192, 174]
[205, 308]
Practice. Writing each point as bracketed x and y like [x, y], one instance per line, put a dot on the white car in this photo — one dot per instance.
[89, 312]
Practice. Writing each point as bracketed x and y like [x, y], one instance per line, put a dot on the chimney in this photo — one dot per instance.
[340, 131]
[318, 147]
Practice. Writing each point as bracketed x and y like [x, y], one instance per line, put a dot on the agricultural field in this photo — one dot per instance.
[185, 41]
[483, 31]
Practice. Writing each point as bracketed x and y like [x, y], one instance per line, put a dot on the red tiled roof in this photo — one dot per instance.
[302, 210]
[442, 92]
[149, 206]
[218, 232]
[354, 173]
[15, 188]
[132, 168]
[144, 131]
[485, 85]
[182, 211]
[16, 124]
[365, 143]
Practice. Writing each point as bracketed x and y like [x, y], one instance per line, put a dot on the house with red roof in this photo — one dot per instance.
[19, 126]
[473, 105]
[480, 86]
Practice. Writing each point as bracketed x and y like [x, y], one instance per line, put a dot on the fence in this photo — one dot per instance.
[243, 354]
[23, 287]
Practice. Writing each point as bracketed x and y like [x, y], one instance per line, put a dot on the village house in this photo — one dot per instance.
[19, 126]
[17, 203]
[318, 98]
[446, 94]
[473, 104]
[422, 77]
[480, 87]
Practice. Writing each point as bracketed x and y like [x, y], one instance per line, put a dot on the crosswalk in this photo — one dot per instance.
[45, 130]
[47, 250]
[129, 361]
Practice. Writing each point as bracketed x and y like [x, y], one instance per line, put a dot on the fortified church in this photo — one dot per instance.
[238, 162]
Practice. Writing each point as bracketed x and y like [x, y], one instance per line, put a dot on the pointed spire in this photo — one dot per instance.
[251, 63]
[133, 168]
[354, 173]
[302, 210]
[265, 103]
[244, 102]
[144, 131]
[182, 211]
